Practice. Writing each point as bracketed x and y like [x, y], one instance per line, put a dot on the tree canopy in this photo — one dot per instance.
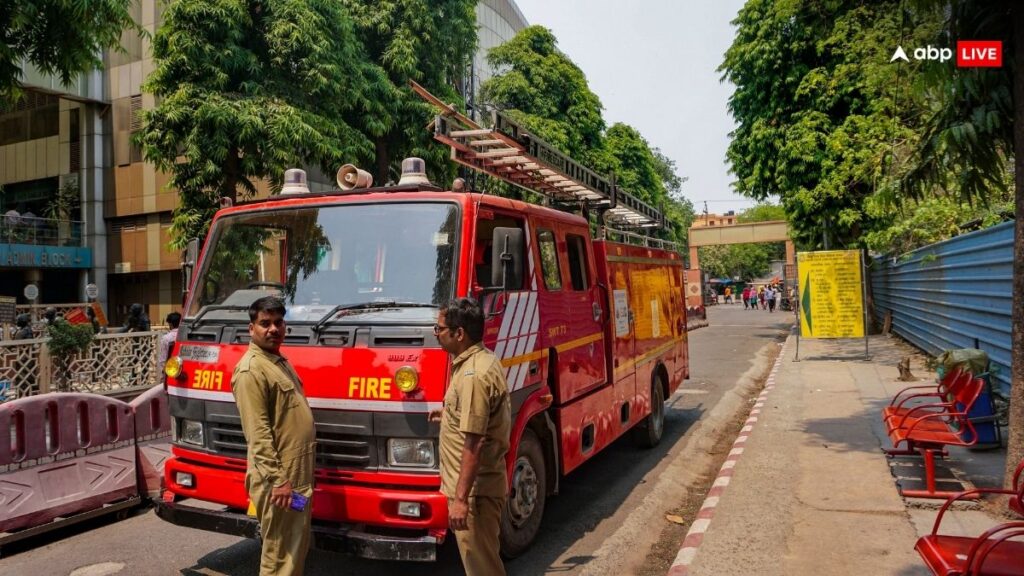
[429, 42]
[60, 38]
[546, 92]
[819, 108]
[247, 89]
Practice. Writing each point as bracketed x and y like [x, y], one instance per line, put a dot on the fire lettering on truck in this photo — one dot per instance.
[369, 387]
[208, 379]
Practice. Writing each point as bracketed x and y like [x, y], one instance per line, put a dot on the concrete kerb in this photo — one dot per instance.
[682, 473]
[695, 536]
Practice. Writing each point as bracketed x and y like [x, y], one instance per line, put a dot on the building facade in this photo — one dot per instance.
[79, 206]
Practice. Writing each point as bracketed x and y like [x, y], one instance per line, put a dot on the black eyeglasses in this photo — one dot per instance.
[438, 329]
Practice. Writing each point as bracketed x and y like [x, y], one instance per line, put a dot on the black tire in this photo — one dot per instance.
[648, 433]
[527, 494]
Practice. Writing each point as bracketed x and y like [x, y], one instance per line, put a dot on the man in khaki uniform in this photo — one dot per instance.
[475, 426]
[278, 427]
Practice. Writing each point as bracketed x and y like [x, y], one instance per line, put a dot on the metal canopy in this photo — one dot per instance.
[513, 154]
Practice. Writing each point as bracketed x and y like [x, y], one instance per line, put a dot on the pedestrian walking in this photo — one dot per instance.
[770, 297]
[746, 297]
[278, 427]
[761, 296]
[475, 424]
[728, 295]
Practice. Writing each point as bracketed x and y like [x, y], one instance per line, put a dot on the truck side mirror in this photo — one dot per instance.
[506, 267]
[188, 266]
[507, 258]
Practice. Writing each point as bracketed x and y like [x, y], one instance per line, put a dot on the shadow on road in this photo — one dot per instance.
[594, 492]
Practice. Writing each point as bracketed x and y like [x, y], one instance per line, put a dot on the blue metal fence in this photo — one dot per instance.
[953, 294]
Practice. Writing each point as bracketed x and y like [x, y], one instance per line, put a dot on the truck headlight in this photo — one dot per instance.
[191, 432]
[411, 452]
[172, 368]
[406, 378]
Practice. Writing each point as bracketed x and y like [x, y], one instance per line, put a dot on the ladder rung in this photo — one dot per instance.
[469, 133]
[482, 143]
[511, 160]
[501, 152]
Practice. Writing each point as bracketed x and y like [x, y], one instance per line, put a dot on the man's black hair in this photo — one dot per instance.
[465, 313]
[173, 319]
[270, 304]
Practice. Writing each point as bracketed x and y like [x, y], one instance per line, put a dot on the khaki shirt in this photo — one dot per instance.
[276, 420]
[477, 402]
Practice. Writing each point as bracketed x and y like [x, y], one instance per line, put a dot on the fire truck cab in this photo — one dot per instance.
[591, 333]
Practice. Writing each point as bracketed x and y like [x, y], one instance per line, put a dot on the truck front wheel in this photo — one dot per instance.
[527, 492]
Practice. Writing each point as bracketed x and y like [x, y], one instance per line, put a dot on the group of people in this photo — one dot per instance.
[137, 321]
[765, 296]
[475, 424]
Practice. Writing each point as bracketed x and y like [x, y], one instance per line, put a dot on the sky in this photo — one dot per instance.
[653, 65]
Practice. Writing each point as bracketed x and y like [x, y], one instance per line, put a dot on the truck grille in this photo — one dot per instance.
[332, 449]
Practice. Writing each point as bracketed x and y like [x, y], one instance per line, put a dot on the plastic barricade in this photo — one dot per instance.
[152, 438]
[62, 454]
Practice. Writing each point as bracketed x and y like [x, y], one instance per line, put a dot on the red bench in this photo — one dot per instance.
[999, 551]
[946, 388]
[928, 429]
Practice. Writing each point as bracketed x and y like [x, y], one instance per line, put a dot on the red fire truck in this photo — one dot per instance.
[591, 332]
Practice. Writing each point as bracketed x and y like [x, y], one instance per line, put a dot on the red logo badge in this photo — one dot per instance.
[979, 53]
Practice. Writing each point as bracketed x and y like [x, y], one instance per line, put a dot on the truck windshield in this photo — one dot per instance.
[329, 256]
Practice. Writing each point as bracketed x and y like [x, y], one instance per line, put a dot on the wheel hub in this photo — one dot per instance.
[523, 497]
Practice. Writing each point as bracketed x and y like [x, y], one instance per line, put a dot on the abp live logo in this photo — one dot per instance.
[979, 53]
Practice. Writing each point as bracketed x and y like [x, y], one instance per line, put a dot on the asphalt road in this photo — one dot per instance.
[606, 519]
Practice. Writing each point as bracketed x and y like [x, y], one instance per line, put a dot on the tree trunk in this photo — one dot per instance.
[230, 187]
[1015, 443]
[383, 161]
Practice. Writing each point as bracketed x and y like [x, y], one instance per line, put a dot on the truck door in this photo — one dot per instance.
[512, 332]
[584, 351]
[622, 321]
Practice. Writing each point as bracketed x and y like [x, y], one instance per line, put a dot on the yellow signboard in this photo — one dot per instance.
[831, 295]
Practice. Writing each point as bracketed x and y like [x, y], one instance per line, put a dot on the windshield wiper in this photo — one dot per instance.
[366, 307]
[212, 307]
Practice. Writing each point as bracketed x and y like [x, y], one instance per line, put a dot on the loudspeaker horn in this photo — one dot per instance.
[350, 177]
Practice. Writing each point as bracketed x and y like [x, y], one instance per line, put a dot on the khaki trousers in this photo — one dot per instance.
[285, 534]
[478, 546]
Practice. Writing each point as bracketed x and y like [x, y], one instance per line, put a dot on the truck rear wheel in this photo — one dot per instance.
[648, 433]
[527, 492]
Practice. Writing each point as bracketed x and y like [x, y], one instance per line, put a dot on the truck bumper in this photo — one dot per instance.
[347, 539]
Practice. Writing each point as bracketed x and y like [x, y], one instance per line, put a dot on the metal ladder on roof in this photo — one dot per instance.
[513, 154]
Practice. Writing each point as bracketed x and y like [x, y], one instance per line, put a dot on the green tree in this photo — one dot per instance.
[431, 42]
[545, 91]
[627, 155]
[976, 126]
[60, 38]
[819, 109]
[67, 341]
[246, 89]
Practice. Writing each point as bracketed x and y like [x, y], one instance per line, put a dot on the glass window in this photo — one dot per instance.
[549, 260]
[318, 258]
[577, 261]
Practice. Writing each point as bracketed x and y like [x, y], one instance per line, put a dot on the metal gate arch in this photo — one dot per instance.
[953, 294]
